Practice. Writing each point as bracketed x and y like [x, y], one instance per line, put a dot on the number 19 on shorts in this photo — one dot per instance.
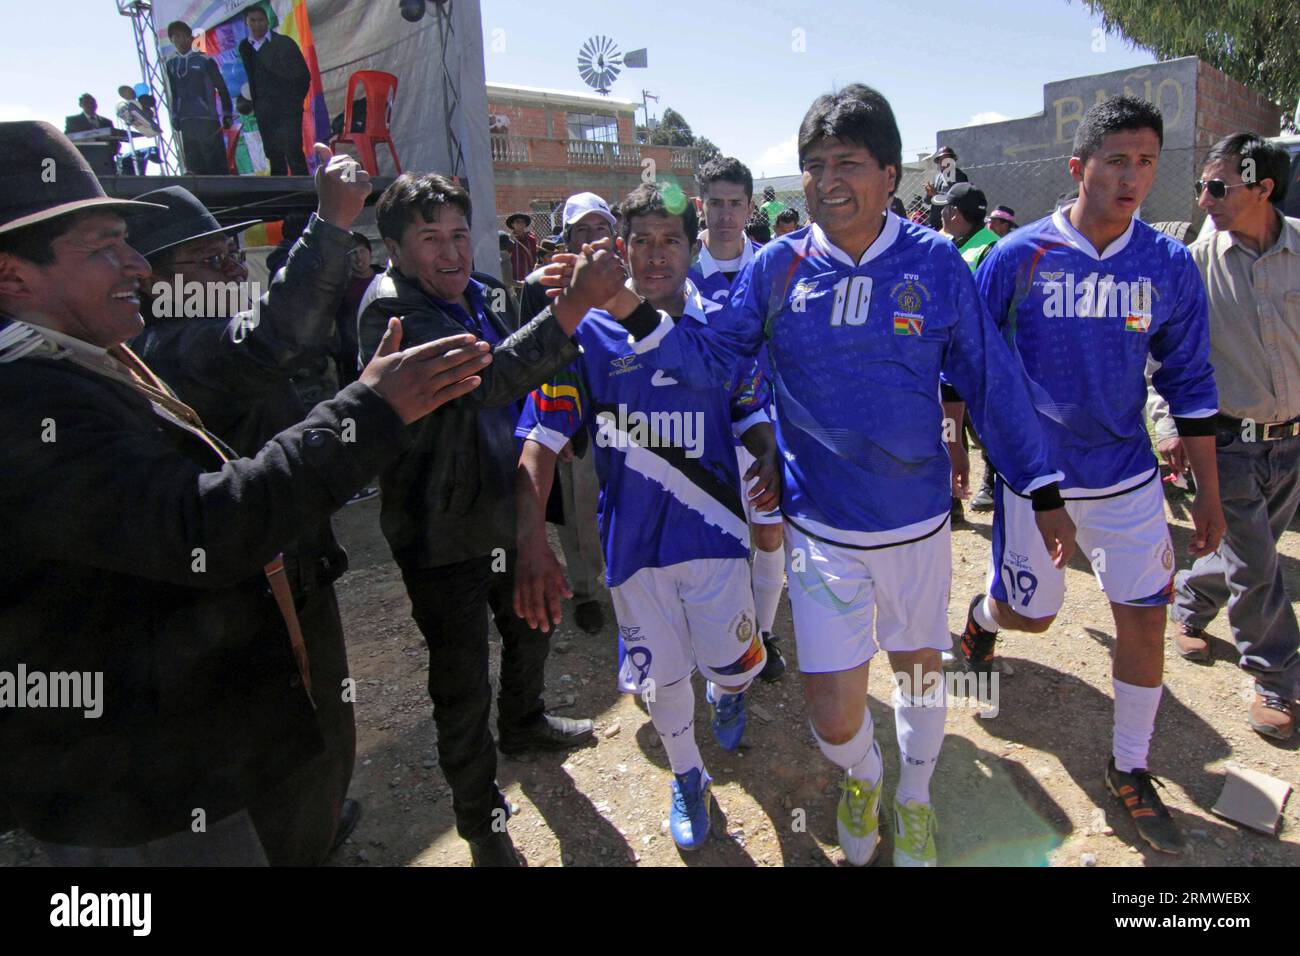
[852, 300]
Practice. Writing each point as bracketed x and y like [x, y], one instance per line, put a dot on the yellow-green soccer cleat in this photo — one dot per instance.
[914, 830]
[858, 820]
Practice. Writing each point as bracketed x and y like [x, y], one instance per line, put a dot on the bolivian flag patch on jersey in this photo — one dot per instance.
[1137, 323]
[906, 323]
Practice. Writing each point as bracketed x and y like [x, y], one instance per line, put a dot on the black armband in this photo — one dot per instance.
[1047, 498]
[644, 319]
[1194, 427]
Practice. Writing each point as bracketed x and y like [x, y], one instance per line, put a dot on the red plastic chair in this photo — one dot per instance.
[381, 90]
[232, 145]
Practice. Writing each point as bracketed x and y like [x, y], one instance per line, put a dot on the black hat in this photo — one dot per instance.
[942, 152]
[178, 217]
[43, 176]
[965, 198]
[518, 215]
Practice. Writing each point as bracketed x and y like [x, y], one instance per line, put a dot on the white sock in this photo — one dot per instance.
[918, 721]
[1135, 722]
[673, 713]
[859, 756]
[768, 572]
[983, 614]
[716, 691]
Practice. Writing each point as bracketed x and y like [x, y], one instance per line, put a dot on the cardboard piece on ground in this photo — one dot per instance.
[1252, 798]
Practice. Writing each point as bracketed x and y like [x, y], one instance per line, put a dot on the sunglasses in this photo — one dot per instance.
[1217, 187]
[218, 262]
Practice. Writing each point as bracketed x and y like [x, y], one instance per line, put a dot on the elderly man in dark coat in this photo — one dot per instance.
[166, 684]
[234, 370]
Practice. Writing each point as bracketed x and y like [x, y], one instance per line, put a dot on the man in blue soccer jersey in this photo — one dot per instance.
[1085, 296]
[860, 313]
[671, 518]
[727, 189]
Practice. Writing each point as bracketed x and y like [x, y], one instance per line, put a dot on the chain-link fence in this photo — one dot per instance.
[542, 223]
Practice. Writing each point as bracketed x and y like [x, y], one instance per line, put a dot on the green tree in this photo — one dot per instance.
[1256, 42]
[673, 130]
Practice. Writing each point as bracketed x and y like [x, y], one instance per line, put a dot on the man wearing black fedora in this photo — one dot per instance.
[947, 174]
[233, 368]
[141, 557]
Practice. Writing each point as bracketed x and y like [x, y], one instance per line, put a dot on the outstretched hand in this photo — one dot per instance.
[422, 379]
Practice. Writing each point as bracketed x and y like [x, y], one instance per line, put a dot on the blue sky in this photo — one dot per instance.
[732, 68]
[734, 71]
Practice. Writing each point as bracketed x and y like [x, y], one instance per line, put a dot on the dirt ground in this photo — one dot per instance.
[1021, 788]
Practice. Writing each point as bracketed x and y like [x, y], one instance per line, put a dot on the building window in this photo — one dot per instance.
[593, 127]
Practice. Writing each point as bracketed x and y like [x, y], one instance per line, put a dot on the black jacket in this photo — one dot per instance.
[278, 78]
[191, 89]
[202, 704]
[79, 123]
[235, 372]
[452, 496]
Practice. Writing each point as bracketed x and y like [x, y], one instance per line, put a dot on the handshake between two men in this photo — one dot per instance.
[421, 379]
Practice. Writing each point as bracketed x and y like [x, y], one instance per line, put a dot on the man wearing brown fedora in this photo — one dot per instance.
[141, 565]
[234, 368]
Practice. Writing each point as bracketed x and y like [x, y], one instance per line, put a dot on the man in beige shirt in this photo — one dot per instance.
[1251, 267]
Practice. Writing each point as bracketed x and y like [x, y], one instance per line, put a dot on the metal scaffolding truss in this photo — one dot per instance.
[151, 71]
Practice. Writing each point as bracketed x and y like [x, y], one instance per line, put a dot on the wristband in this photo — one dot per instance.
[1194, 427]
[1047, 498]
[643, 320]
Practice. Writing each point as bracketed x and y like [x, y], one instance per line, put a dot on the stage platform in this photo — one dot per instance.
[237, 198]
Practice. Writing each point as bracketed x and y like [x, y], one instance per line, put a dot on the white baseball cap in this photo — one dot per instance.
[581, 204]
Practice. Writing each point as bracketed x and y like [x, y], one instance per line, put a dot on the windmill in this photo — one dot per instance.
[600, 62]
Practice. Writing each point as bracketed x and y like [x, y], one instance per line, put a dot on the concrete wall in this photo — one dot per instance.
[1022, 163]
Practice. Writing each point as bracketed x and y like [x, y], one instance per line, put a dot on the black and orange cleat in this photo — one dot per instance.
[1137, 791]
[977, 644]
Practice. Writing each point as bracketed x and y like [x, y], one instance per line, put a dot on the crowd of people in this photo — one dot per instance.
[711, 418]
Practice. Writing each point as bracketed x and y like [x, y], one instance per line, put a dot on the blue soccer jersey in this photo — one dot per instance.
[714, 284]
[856, 350]
[1083, 325]
[715, 288]
[670, 487]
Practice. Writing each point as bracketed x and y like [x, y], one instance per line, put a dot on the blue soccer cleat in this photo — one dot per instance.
[688, 821]
[728, 718]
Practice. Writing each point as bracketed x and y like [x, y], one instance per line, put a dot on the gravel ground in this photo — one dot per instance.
[1021, 788]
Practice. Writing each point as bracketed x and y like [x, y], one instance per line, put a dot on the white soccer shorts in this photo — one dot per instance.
[696, 615]
[1124, 536]
[836, 591]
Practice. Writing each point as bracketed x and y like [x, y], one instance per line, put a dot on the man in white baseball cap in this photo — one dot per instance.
[588, 207]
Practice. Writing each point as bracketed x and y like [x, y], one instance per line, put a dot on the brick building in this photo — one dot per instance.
[548, 144]
[1022, 162]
